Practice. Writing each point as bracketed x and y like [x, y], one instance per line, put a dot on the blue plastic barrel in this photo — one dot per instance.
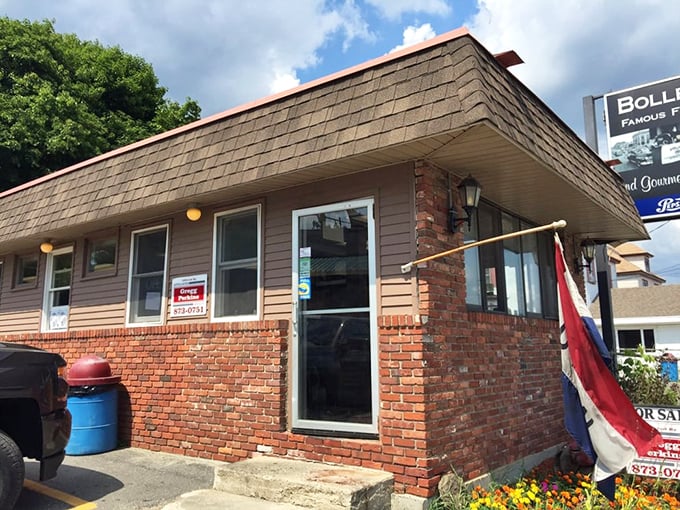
[670, 369]
[95, 422]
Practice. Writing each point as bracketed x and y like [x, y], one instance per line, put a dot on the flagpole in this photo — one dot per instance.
[551, 226]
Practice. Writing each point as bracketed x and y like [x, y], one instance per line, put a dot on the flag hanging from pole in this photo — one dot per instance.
[598, 414]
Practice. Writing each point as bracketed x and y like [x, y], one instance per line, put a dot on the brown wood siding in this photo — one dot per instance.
[99, 302]
[21, 322]
[20, 308]
[397, 291]
[189, 254]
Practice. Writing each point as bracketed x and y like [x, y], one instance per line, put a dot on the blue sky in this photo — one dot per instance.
[223, 53]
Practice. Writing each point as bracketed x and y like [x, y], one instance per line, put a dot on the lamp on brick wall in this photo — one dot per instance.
[469, 190]
[587, 252]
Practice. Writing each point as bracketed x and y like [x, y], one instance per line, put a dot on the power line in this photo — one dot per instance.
[660, 226]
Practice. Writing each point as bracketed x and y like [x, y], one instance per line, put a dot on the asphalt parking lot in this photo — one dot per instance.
[128, 478]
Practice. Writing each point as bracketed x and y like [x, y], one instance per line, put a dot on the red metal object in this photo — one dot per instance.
[91, 371]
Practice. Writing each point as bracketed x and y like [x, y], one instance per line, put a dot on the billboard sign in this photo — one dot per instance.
[643, 127]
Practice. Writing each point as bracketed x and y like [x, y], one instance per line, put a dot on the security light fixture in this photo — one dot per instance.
[193, 213]
[587, 252]
[469, 190]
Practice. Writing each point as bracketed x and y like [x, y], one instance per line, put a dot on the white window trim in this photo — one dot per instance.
[128, 309]
[333, 426]
[213, 285]
[47, 288]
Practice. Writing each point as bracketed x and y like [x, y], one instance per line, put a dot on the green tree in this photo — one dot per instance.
[63, 100]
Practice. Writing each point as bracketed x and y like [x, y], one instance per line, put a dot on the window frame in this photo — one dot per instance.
[87, 255]
[129, 322]
[643, 334]
[495, 253]
[257, 208]
[16, 284]
[46, 309]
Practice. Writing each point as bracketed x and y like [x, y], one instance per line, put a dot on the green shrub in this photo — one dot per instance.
[642, 380]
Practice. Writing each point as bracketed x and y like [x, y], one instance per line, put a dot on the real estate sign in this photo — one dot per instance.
[664, 460]
[643, 125]
[189, 296]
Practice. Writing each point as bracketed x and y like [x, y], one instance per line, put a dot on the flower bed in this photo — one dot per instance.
[547, 489]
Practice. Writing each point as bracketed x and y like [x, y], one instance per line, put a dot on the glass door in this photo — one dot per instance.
[335, 383]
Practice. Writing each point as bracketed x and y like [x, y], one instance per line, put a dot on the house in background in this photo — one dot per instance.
[629, 267]
[242, 274]
[633, 266]
[645, 316]
[645, 311]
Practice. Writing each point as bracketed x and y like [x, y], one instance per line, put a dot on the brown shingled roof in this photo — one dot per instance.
[656, 301]
[631, 249]
[446, 100]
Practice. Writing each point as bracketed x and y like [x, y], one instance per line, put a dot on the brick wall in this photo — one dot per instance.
[214, 391]
[493, 393]
[220, 391]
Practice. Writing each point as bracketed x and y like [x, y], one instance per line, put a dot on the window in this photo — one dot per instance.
[515, 276]
[146, 294]
[57, 290]
[26, 270]
[101, 255]
[633, 338]
[236, 273]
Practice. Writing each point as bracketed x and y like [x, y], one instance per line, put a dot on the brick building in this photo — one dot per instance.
[278, 321]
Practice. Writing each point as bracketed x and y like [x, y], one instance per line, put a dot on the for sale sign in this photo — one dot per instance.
[664, 460]
[189, 296]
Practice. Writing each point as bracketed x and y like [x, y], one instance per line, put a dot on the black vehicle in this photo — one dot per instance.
[34, 421]
[639, 155]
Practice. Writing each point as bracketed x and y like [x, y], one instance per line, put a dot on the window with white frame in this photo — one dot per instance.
[146, 289]
[57, 290]
[634, 338]
[236, 268]
[515, 276]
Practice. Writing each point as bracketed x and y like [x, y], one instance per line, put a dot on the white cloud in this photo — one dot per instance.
[581, 48]
[220, 52]
[665, 246]
[394, 9]
[283, 81]
[414, 35]
[353, 24]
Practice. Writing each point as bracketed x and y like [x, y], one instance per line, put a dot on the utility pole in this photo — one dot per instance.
[604, 279]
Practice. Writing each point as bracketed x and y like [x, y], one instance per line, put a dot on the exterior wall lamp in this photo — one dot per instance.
[193, 213]
[46, 247]
[469, 190]
[587, 252]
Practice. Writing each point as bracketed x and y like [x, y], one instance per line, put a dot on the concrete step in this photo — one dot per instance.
[307, 484]
[210, 499]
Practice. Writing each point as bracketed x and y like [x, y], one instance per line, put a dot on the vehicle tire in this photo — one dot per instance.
[12, 471]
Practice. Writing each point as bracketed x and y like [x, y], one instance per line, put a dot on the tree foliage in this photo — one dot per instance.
[63, 100]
